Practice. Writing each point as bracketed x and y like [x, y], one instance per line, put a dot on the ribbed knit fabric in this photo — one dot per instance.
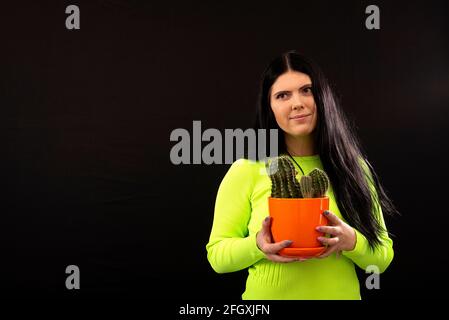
[240, 207]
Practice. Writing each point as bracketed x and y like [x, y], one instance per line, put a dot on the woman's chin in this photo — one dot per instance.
[299, 133]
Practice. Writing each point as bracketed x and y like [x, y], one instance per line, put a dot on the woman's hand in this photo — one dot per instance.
[266, 245]
[343, 236]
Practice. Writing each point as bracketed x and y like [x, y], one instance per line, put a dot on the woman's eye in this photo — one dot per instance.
[281, 96]
[308, 90]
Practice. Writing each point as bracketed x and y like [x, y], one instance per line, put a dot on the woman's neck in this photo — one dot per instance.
[300, 146]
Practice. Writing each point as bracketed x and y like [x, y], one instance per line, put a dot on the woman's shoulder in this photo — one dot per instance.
[249, 165]
[248, 169]
[245, 162]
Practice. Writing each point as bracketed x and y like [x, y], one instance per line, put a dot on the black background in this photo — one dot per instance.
[86, 116]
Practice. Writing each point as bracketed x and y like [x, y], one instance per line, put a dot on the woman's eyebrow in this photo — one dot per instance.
[302, 87]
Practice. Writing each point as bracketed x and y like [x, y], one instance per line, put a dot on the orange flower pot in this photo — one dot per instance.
[296, 219]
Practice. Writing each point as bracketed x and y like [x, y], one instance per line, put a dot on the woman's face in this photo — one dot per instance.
[291, 96]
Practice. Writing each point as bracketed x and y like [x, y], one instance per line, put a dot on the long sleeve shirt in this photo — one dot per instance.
[240, 207]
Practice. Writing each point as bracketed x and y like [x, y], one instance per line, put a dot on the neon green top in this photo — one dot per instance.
[240, 207]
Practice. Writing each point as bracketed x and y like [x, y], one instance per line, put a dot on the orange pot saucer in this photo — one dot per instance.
[302, 252]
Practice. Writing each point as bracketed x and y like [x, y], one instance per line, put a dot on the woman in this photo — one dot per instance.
[296, 98]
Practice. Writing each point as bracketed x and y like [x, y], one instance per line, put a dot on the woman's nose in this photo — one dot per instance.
[296, 101]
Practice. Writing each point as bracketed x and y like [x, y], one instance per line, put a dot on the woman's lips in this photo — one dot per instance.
[298, 118]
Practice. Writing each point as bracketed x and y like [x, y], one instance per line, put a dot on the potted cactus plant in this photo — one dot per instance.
[296, 207]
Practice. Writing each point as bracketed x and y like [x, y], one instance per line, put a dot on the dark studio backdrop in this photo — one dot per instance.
[86, 117]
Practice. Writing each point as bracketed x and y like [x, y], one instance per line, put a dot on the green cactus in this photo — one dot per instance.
[283, 178]
[285, 185]
[320, 182]
[306, 186]
[292, 183]
[296, 184]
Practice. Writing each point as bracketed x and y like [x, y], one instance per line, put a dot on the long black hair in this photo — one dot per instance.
[337, 145]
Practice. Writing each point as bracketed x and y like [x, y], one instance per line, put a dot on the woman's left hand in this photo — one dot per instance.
[343, 237]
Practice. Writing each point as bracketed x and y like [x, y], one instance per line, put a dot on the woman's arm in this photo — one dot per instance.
[230, 248]
[363, 256]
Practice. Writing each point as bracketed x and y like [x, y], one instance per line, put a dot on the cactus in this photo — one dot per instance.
[283, 178]
[320, 182]
[297, 186]
[285, 185]
[292, 183]
[306, 187]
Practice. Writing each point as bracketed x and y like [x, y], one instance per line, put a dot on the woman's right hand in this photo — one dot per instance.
[270, 249]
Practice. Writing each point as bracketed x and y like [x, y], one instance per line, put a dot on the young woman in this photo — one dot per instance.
[297, 99]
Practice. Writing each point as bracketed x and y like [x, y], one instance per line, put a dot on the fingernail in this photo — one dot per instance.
[318, 228]
[267, 218]
[326, 213]
[320, 239]
[289, 242]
